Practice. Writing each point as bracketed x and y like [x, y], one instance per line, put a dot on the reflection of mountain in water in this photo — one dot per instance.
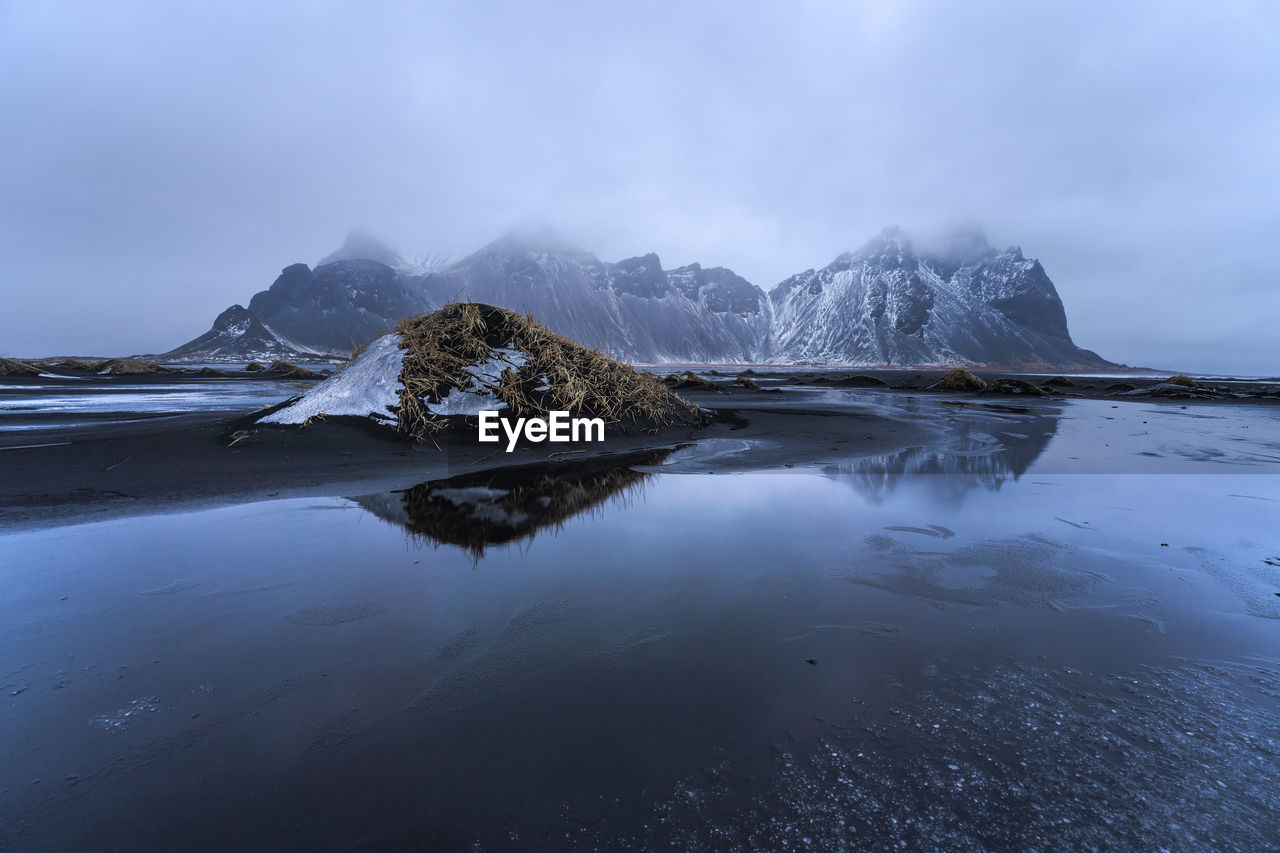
[982, 449]
[474, 511]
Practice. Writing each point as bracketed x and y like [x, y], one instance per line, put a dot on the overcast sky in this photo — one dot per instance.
[161, 161]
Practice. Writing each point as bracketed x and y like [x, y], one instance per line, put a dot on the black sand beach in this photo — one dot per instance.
[834, 618]
[130, 462]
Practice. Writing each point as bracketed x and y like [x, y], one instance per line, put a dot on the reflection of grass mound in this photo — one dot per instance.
[13, 367]
[537, 372]
[496, 507]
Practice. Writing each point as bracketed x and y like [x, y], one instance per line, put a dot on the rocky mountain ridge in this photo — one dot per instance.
[885, 304]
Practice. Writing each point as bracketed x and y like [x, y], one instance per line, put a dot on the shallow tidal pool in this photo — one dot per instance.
[911, 652]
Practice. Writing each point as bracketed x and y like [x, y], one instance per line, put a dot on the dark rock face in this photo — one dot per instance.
[338, 306]
[883, 305]
[1020, 290]
[238, 334]
[633, 309]
[887, 305]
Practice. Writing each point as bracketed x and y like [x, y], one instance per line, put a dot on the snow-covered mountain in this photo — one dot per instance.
[339, 305]
[633, 309]
[883, 305]
[237, 334]
[362, 246]
[887, 305]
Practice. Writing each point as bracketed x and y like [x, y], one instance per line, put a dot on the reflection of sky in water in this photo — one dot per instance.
[649, 656]
[1016, 631]
[980, 448]
[185, 397]
[59, 401]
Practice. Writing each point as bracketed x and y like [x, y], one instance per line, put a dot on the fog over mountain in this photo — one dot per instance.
[157, 161]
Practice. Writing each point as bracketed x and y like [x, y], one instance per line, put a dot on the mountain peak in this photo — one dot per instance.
[950, 299]
[234, 315]
[534, 237]
[891, 242]
[360, 245]
[967, 244]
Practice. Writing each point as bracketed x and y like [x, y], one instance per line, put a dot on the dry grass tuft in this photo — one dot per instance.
[254, 367]
[85, 365]
[1183, 380]
[130, 367]
[14, 367]
[289, 370]
[439, 347]
[958, 380]
[688, 379]
[1015, 386]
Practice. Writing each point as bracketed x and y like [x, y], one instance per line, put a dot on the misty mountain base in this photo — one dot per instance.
[80, 368]
[469, 358]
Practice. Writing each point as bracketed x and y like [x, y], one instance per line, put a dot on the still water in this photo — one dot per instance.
[964, 646]
[91, 401]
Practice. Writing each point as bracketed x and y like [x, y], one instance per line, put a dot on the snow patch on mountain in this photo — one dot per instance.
[239, 335]
[887, 305]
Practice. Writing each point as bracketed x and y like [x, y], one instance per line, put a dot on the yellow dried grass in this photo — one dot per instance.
[439, 348]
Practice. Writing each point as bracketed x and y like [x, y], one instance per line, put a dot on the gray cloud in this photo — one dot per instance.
[159, 163]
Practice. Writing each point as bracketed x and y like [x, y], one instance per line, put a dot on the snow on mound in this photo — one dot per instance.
[370, 387]
[480, 390]
[469, 350]
[367, 387]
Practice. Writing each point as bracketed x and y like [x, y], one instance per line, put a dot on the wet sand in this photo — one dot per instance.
[132, 463]
[891, 619]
